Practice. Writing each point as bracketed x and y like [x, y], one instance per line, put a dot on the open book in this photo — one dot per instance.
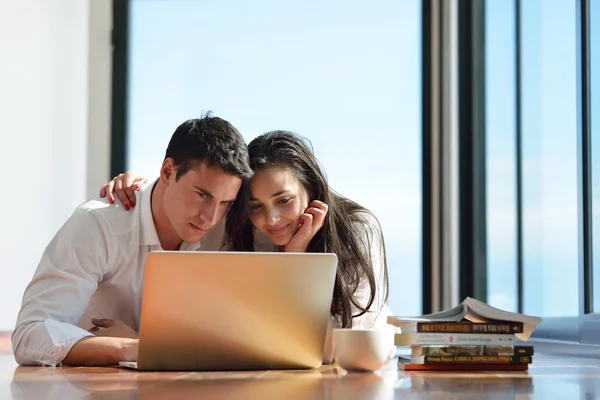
[475, 311]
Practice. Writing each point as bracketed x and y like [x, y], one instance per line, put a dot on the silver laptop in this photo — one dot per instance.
[234, 310]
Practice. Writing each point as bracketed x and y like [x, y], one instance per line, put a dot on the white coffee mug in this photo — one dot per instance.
[361, 349]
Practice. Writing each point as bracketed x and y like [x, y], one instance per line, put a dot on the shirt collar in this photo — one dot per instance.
[149, 236]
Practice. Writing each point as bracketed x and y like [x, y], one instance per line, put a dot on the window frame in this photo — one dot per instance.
[583, 328]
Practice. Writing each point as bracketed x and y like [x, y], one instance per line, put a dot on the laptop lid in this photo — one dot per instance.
[235, 310]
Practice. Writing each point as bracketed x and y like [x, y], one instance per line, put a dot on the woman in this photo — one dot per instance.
[290, 207]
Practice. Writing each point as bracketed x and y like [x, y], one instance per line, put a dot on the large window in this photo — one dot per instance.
[344, 74]
[595, 133]
[542, 111]
[549, 137]
[501, 154]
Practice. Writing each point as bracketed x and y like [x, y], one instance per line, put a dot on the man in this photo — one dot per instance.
[83, 304]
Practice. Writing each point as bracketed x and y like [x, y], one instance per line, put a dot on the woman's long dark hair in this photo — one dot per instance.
[339, 234]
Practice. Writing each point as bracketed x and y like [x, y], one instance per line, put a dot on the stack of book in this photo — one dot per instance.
[471, 336]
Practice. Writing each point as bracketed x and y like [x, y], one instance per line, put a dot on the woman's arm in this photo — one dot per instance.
[123, 185]
[374, 248]
[376, 315]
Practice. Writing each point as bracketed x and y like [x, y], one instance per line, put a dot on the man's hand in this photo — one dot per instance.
[310, 223]
[112, 328]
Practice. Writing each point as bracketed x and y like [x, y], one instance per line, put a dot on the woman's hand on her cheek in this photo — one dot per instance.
[310, 223]
[123, 185]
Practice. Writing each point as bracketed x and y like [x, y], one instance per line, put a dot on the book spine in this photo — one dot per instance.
[476, 359]
[462, 367]
[408, 339]
[466, 327]
[477, 350]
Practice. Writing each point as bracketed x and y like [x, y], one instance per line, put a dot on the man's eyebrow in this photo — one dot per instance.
[273, 195]
[207, 193]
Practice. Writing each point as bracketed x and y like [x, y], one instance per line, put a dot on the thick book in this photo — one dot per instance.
[481, 350]
[409, 339]
[453, 359]
[406, 365]
[462, 327]
[472, 310]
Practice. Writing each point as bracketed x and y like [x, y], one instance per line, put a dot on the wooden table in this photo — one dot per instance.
[550, 377]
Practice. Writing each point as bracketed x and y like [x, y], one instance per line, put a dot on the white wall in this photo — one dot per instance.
[55, 74]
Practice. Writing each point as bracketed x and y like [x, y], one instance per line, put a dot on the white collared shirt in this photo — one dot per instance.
[92, 268]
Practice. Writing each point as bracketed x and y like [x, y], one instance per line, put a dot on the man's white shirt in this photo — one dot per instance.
[92, 268]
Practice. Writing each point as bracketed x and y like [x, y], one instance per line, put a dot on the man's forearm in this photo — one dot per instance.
[102, 351]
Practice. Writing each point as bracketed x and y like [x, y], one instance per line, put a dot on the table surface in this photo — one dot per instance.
[549, 377]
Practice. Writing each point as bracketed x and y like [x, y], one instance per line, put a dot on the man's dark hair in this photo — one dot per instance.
[211, 140]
